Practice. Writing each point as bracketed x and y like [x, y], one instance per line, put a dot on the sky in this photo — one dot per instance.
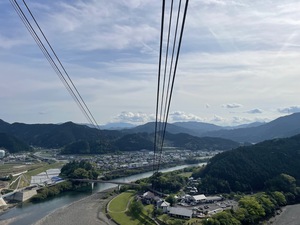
[239, 61]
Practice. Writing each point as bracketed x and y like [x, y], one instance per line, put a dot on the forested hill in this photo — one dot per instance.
[81, 139]
[138, 141]
[250, 168]
[12, 144]
[54, 135]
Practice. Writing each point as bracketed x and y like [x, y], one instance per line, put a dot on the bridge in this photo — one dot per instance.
[105, 181]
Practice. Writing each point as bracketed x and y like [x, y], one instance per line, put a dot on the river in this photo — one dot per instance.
[30, 213]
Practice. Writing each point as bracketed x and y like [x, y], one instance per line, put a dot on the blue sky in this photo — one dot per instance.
[239, 61]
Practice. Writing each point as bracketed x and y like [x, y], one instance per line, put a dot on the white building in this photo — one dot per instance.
[182, 213]
[48, 177]
[199, 198]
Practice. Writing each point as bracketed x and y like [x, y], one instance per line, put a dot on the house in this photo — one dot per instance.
[211, 199]
[163, 205]
[148, 198]
[148, 195]
[179, 212]
[199, 198]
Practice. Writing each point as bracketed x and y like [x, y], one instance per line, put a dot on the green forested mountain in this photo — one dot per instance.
[251, 168]
[55, 135]
[81, 139]
[195, 143]
[281, 127]
[12, 144]
[171, 128]
[138, 141]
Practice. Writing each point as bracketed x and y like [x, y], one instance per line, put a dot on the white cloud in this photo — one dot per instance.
[93, 25]
[132, 117]
[240, 120]
[291, 109]
[245, 53]
[232, 105]
[7, 43]
[254, 111]
[218, 119]
[179, 116]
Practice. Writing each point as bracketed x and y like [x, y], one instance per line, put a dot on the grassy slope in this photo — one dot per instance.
[118, 210]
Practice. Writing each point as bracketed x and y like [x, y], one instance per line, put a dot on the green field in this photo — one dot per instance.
[186, 174]
[118, 210]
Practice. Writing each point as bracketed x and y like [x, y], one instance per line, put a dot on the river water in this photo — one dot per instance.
[30, 213]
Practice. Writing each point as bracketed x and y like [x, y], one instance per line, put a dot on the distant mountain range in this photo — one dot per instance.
[285, 126]
[81, 139]
[281, 127]
[113, 126]
[188, 135]
[199, 129]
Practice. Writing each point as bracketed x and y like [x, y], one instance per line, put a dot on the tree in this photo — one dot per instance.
[79, 170]
[265, 201]
[240, 214]
[171, 199]
[177, 222]
[254, 210]
[211, 221]
[226, 218]
[135, 208]
[164, 218]
[279, 198]
[80, 173]
[283, 182]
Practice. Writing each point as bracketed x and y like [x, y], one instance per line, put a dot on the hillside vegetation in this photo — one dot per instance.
[252, 168]
[12, 144]
[81, 139]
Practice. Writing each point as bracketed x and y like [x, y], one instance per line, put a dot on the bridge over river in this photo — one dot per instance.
[105, 181]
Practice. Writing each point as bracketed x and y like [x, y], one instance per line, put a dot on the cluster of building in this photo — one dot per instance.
[19, 158]
[188, 206]
[139, 158]
[113, 161]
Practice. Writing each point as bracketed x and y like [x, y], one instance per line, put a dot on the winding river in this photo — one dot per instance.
[29, 213]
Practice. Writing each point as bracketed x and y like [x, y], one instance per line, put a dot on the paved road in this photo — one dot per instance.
[289, 216]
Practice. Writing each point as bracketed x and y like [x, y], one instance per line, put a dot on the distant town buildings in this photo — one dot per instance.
[124, 160]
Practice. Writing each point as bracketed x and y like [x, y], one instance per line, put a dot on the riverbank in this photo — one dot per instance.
[4, 208]
[289, 215]
[31, 213]
[89, 210]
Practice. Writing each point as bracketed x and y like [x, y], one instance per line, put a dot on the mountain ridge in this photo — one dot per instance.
[281, 127]
[83, 139]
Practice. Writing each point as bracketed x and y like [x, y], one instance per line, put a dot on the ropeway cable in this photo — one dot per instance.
[164, 98]
[63, 75]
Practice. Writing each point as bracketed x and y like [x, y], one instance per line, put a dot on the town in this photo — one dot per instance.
[108, 162]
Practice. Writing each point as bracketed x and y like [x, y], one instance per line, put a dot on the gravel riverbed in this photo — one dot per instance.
[288, 216]
[89, 210]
